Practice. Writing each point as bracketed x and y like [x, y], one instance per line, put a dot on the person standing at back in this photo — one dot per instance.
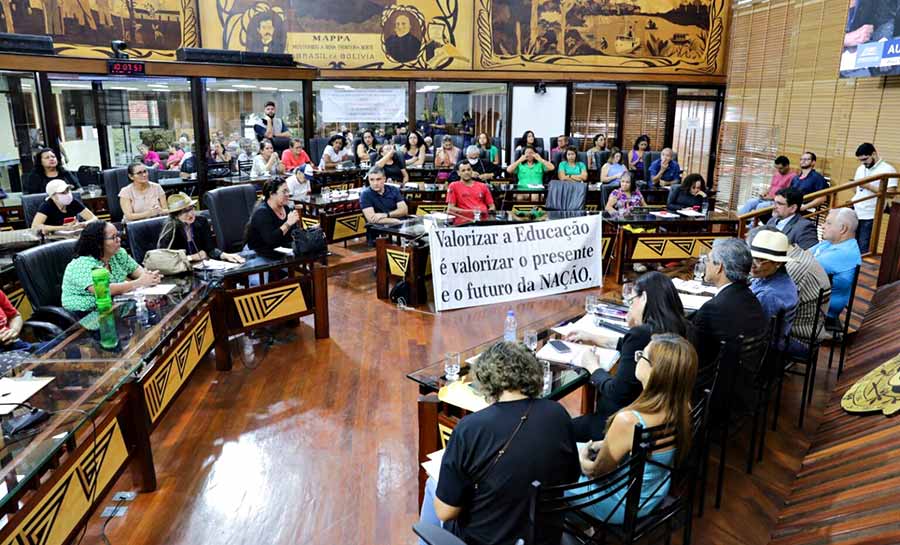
[870, 164]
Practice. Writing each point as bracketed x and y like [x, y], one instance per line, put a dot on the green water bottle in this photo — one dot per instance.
[100, 278]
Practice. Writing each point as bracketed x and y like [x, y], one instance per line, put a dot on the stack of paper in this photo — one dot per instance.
[432, 466]
[461, 394]
[691, 213]
[159, 289]
[664, 214]
[535, 186]
[692, 302]
[693, 287]
[586, 323]
[576, 350]
[215, 265]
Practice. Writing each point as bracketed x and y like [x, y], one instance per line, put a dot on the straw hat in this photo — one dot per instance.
[177, 202]
[771, 245]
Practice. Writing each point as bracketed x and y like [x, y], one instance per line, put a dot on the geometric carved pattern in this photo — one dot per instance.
[424, 209]
[38, 529]
[523, 208]
[878, 390]
[349, 226]
[309, 222]
[444, 433]
[654, 248]
[271, 304]
[89, 467]
[161, 384]
[398, 262]
[21, 303]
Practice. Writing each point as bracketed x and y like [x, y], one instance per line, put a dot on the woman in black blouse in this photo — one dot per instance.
[273, 220]
[654, 308]
[46, 168]
[689, 194]
[392, 164]
[187, 231]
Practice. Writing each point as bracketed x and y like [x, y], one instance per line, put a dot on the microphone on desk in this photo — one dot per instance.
[15, 424]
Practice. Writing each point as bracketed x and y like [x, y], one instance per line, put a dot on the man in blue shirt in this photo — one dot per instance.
[381, 203]
[770, 281]
[438, 125]
[809, 180]
[838, 253]
[665, 172]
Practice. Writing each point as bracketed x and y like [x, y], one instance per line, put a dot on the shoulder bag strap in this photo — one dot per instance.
[505, 446]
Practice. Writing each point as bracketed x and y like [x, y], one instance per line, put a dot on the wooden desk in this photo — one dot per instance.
[340, 218]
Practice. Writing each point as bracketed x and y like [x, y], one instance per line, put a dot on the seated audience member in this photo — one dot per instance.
[571, 169]
[336, 152]
[666, 370]
[468, 194]
[414, 152]
[267, 162]
[381, 203]
[141, 198]
[367, 149]
[636, 156]
[492, 489]
[655, 308]
[485, 170]
[485, 143]
[625, 197]
[11, 324]
[268, 126]
[770, 282]
[665, 172]
[870, 165]
[613, 169]
[528, 139]
[808, 180]
[176, 154]
[786, 218]
[149, 157]
[295, 157]
[839, 254]
[187, 231]
[100, 246]
[593, 154]
[218, 154]
[249, 149]
[562, 143]
[60, 210]
[809, 277]
[272, 220]
[690, 194]
[780, 179]
[47, 168]
[392, 164]
[429, 144]
[727, 268]
[448, 154]
[529, 169]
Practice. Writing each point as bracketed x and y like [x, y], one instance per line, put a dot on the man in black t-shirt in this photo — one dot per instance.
[484, 498]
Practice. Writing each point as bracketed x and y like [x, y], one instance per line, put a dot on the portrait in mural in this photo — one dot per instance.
[655, 35]
[152, 28]
[374, 34]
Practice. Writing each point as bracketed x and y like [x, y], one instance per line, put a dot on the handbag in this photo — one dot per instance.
[166, 260]
[309, 241]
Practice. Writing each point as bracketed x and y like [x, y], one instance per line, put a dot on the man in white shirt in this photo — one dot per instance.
[870, 165]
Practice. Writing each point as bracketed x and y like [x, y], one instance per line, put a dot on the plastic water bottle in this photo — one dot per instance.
[143, 315]
[509, 327]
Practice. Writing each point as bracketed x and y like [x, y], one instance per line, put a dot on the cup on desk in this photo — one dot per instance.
[476, 215]
[451, 366]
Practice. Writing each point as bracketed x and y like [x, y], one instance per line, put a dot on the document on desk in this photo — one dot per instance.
[432, 466]
[159, 289]
[285, 251]
[576, 350]
[19, 390]
[215, 265]
[691, 213]
[664, 214]
[694, 287]
[692, 302]
[586, 323]
[461, 394]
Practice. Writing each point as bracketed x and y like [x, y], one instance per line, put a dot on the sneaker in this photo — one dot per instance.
[639, 268]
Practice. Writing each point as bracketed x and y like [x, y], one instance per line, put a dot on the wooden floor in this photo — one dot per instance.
[315, 442]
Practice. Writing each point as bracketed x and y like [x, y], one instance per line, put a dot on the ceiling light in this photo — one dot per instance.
[287, 90]
[243, 86]
[268, 88]
[344, 87]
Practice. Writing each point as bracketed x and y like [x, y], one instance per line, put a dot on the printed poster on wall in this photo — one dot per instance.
[369, 34]
[364, 105]
[474, 266]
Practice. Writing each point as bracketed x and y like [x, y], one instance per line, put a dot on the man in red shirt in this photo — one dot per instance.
[294, 157]
[10, 327]
[468, 194]
[781, 179]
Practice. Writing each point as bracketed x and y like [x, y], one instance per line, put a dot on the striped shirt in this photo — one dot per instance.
[810, 277]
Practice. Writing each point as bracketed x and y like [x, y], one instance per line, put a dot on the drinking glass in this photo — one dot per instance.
[477, 215]
[531, 339]
[326, 193]
[700, 269]
[627, 291]
[548, 377]
[451, 366]
[590, 304]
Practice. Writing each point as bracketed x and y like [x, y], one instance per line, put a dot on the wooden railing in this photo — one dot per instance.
[831, 201]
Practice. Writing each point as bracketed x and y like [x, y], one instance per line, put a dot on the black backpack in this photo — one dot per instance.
[400, 293]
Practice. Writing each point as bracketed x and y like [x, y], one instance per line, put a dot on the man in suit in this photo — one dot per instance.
[786, 218]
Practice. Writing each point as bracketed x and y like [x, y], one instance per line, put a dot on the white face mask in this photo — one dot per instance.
[65, 199]
[472, 161]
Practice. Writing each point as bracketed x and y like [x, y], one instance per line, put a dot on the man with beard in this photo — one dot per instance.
[269, 126]
[265, 33]
[402, 46]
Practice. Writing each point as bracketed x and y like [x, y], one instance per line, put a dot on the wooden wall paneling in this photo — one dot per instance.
[864, 115]
[887, 132]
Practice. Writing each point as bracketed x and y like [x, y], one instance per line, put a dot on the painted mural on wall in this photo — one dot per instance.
[683, 36]
[373, 34]
[84, 28]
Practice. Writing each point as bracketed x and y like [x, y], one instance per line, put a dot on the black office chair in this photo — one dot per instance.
[143, 236]
[566, 196]
[230, 209]
[114, 179]
[841, 331]
[31, 203]
[435, 535]
[40, 270]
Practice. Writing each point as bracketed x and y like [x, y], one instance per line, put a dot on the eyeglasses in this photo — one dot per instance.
[139, 172]
[116, 236]
[640, 355]
[188, 209]
[864, 158]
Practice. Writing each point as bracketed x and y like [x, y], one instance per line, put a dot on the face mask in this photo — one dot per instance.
[65, 199]
[473, 161]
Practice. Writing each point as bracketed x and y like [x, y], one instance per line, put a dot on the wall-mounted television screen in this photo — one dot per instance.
[871, 39]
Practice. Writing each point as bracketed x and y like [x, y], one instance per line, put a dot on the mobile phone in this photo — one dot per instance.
[560, 346]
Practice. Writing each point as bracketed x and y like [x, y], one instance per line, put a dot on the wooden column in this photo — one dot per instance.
[98, 100]
[52, 130]
[200, 114]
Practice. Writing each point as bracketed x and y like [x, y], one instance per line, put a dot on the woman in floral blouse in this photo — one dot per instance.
[625, 197]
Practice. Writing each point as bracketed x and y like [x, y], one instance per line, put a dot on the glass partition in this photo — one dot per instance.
[74, 99]
[20, 128]
[594, 113]
[462, 109]
[356, 105]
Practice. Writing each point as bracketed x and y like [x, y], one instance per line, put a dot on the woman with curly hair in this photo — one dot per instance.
[495, 454]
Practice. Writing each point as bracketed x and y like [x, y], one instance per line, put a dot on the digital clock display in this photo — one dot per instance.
[125, 68]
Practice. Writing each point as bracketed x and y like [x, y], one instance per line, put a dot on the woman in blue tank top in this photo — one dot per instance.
[667, 369]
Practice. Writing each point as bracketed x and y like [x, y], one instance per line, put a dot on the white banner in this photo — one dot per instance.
[473, 266]
[363, 105]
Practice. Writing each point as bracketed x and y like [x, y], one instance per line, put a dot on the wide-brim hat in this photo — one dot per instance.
[771, 245]
[177, 202]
